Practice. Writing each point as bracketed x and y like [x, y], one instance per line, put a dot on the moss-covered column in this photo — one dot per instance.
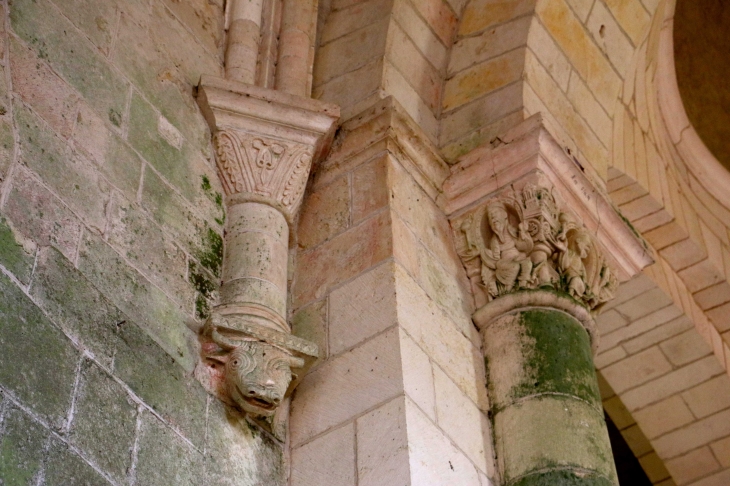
[548, 418]
[544, 248]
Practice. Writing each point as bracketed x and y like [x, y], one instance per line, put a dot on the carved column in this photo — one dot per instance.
[265, 142]
[544, 249]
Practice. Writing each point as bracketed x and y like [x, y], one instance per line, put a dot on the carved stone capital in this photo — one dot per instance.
[522, 240]
[265, 140]
[525, 217]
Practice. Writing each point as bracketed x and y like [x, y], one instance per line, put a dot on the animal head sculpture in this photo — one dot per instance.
[251, 367]
[258, 375]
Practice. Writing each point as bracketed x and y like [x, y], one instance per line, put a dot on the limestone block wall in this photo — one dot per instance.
[400, 397]
[110, 247]
[372, 49]
[565, 59]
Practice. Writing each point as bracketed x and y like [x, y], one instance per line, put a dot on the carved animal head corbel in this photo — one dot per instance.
[251, 367]
[257, 374]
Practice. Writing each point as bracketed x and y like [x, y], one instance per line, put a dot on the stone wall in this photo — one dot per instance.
[401, 396]
[110, 244]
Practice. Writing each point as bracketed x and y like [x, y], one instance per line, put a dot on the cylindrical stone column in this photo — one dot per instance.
[548, 418]
[254, 279]
[298, 25]
[244, 35]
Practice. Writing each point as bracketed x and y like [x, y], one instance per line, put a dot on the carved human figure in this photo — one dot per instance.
[258, 375]
[572, 261]
[506, 261]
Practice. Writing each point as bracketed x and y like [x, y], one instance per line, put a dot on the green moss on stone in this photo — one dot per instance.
[13, 255]
[206, 184]
[212, 255]
[21, 449]
[205, 288]
[214, 196]
[563, 478]
[559, 358]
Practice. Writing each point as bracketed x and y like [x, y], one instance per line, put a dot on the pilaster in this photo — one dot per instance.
[400, 398]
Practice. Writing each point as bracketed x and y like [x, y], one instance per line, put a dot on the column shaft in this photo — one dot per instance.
[255, 263]
[244, 35]
[298, 23]
[548, 419]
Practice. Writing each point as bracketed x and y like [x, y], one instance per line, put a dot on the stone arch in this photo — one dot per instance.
[666, 182]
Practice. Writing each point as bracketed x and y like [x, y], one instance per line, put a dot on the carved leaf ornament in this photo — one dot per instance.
[524, 241]
[270, 168]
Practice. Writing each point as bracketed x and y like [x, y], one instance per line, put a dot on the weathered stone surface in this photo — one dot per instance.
[539, 351]
[328, 460]
[489, 43]
[45, 381]
[418, 375]
[42, 89]
[63, 467]
[199, 237]
[325, 212]
[350, 52]
[16, 252]
[382, 446]
[98, 141]
[362, 308]
[147, 52]
[351, 252]
[583, 54]
[73, 303]
[438, 460]
[160, 382]
[169, 154]
[205, 19]
[238, 453]
[54, 38]
[441, 340]
[41, 215]
[310, 323]
[460, 418]
[104, 421]
[549, 432]
[423, 77]
[137, 298]
[480, 14]
[348, 385]
[21, 448]
[369, 188]
[169, 34]
[69, 175]
[7, 144]
[164, 458]
[483, 78]
[132, 234]
[563, 478]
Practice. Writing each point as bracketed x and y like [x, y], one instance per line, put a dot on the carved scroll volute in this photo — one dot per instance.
[275, 171]
[523, 241]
